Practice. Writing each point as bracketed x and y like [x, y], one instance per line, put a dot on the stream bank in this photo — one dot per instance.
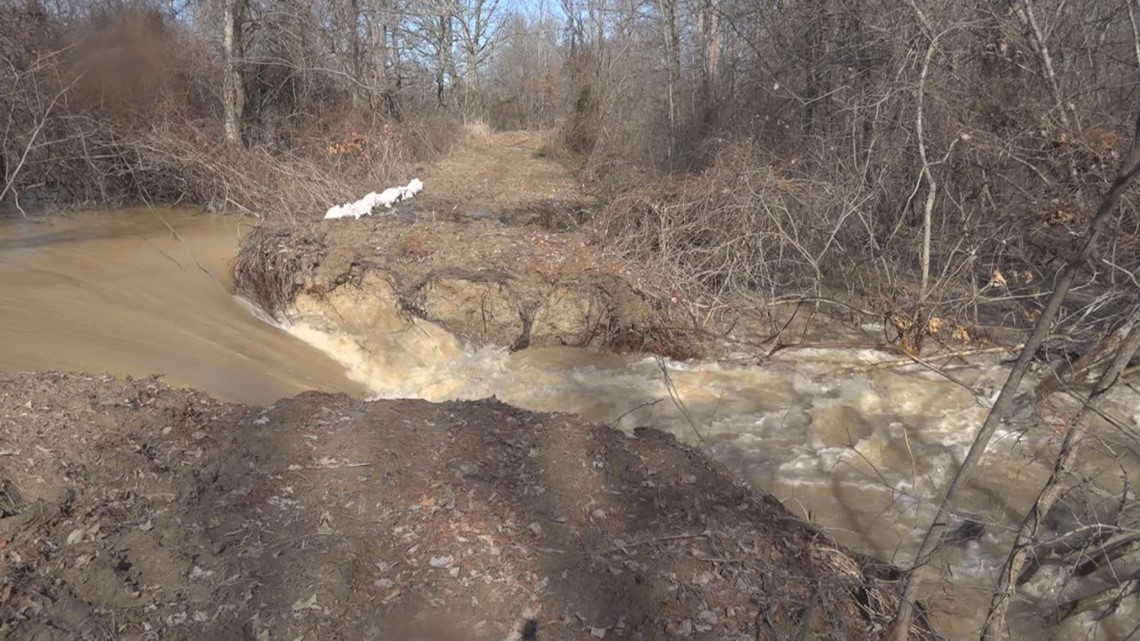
[136, 511]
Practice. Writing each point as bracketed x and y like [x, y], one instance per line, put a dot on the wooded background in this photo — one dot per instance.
[941, 152]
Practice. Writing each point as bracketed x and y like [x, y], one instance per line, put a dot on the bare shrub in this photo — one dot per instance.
[740, 227]
[120, 106]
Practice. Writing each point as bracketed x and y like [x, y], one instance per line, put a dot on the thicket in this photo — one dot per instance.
[109, 103]
[934, 159]
[929, 165]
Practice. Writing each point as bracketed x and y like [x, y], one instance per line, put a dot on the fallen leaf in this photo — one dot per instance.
[310, 604]
[998, 280]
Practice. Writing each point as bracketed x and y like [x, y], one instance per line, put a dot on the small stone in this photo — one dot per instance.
[325, 525]
[707, 616]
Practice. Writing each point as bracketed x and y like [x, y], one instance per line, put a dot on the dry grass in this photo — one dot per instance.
[500, 171]
[477, 132]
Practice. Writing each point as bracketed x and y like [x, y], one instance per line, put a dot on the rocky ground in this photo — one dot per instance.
[136, 511]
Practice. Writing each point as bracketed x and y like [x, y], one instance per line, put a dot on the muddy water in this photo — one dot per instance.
[141, 292]
[841, 436]
[847, 438]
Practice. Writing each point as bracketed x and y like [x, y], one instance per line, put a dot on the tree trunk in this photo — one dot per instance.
[927, 174]
[443, 53]
[359, 92]
[233, 89]
[709, 51]
[382, 96]
[671, 37]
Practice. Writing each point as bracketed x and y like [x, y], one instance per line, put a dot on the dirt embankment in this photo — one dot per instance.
[485, 253]
[135, 511]
[129, 510]
[487, 283]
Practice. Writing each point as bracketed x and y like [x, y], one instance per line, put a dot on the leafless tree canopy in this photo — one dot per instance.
[933, 163]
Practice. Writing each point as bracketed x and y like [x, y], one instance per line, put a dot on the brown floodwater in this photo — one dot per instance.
[860, 448]
[146, 291]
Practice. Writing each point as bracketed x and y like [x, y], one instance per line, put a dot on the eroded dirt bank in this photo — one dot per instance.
[486, 282]
[136, 511]
[493, 251]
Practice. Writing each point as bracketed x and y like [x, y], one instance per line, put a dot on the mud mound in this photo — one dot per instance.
[136, 511]
[485, 282]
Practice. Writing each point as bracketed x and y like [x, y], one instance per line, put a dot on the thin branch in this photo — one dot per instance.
[1051, 491]
[1004, 405]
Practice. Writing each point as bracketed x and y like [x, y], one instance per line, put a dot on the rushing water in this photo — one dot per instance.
[846, 437]
[142, 292]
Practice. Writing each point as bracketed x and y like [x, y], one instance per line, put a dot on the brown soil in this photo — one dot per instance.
[153, 513]
[491, 271]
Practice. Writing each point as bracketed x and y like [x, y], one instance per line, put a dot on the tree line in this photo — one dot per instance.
[926, 164]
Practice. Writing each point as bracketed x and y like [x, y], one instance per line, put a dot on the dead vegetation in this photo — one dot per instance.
[483, 281]
[118, 106]
[330, 518]
[929, 165]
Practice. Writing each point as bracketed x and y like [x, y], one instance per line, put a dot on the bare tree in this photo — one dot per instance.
[479, 22]
[233, 86]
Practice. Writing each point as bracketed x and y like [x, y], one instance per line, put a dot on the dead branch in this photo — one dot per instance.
[1070, 446]
[1003, 407]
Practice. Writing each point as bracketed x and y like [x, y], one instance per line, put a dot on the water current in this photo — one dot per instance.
[850, 438]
